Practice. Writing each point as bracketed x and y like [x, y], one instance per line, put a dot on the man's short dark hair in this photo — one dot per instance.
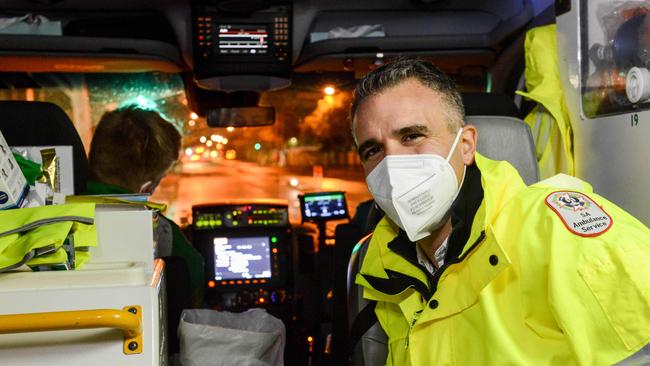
[402, 69]
[132, 146]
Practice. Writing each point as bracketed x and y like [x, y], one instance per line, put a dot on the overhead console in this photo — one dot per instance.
[241, 49]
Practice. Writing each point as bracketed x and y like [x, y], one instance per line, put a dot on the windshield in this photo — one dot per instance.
[308, 149]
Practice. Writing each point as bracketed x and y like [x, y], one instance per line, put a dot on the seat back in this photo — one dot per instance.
[499, 138]
[509, 139]
[43, 124]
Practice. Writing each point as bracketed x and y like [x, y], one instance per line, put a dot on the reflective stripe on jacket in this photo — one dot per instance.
[35, 236]
[526, 290]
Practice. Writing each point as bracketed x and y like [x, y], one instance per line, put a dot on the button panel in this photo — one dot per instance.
[216, 37]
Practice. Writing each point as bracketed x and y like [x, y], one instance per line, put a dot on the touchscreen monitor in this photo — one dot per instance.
[324, 206]
[242, 258]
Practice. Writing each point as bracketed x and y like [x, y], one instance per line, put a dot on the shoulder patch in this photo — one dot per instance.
[579, 213]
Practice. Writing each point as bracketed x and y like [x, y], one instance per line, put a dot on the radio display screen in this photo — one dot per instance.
[243, 39]
[242, 258]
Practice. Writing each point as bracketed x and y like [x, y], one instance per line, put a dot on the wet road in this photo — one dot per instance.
[207, 182]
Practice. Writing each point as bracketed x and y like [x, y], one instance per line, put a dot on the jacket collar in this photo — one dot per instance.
[383, 264]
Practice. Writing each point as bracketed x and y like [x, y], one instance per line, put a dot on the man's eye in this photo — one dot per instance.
[411, 137]
[369, 153]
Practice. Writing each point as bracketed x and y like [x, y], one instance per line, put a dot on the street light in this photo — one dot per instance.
[203, 139]
[194, 116]
[230, 128]
[329, 90]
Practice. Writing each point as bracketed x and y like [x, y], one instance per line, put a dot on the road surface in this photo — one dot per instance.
[206, 182]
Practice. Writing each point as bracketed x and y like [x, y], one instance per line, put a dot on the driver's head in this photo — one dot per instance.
[410, 107]
[133, 148]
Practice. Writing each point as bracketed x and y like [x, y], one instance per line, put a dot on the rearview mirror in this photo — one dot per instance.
[241, 117]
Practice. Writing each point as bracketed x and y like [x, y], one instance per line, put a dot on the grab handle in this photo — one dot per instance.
[128, 320]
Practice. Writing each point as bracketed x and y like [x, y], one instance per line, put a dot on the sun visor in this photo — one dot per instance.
[341, 34]
[36, 53]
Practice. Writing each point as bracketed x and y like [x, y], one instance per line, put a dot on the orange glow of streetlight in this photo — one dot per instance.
[329, 90]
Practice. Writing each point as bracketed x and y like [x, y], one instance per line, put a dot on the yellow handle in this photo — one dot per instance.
[128, 322]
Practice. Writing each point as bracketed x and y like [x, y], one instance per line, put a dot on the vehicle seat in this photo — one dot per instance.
[44, 124]
[500, 138]
[489, 104]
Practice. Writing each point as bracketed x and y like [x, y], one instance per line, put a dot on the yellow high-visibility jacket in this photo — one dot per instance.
[552, 274]
[550, 120]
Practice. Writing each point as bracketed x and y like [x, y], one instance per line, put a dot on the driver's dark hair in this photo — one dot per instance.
[402, 69]
[132, 146]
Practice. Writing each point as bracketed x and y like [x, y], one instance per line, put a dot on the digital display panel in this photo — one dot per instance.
[324, 206]
[243, 39]
[242, 258]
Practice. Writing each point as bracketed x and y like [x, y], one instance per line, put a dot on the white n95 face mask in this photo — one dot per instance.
[415, 191]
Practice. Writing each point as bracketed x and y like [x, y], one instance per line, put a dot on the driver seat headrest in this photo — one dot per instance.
[44, 124]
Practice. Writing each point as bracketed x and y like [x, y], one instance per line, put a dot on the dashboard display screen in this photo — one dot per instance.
[324, 206]
[243, 39]
[242, 258]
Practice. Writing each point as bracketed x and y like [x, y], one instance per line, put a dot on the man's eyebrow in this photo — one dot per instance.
[366, 144]
[420, 129]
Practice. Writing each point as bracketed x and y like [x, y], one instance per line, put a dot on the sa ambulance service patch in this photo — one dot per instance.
[579, 213]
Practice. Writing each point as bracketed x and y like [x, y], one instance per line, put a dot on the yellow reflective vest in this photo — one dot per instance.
[48, 236]
[552, 274]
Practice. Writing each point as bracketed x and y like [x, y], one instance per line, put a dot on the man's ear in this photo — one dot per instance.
[468, 139]
[148, 187]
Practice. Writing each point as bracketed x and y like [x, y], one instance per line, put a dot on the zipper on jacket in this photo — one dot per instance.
[441, 270]
[416, 316]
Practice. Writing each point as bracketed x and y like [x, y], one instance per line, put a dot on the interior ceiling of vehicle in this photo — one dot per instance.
[150, 35]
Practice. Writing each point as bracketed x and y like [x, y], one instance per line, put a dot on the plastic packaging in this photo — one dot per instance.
[221, 338]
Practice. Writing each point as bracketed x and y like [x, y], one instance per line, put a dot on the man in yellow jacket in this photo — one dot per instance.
[472, 267]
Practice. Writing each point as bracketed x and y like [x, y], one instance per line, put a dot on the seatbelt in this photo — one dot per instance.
[361, 324]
